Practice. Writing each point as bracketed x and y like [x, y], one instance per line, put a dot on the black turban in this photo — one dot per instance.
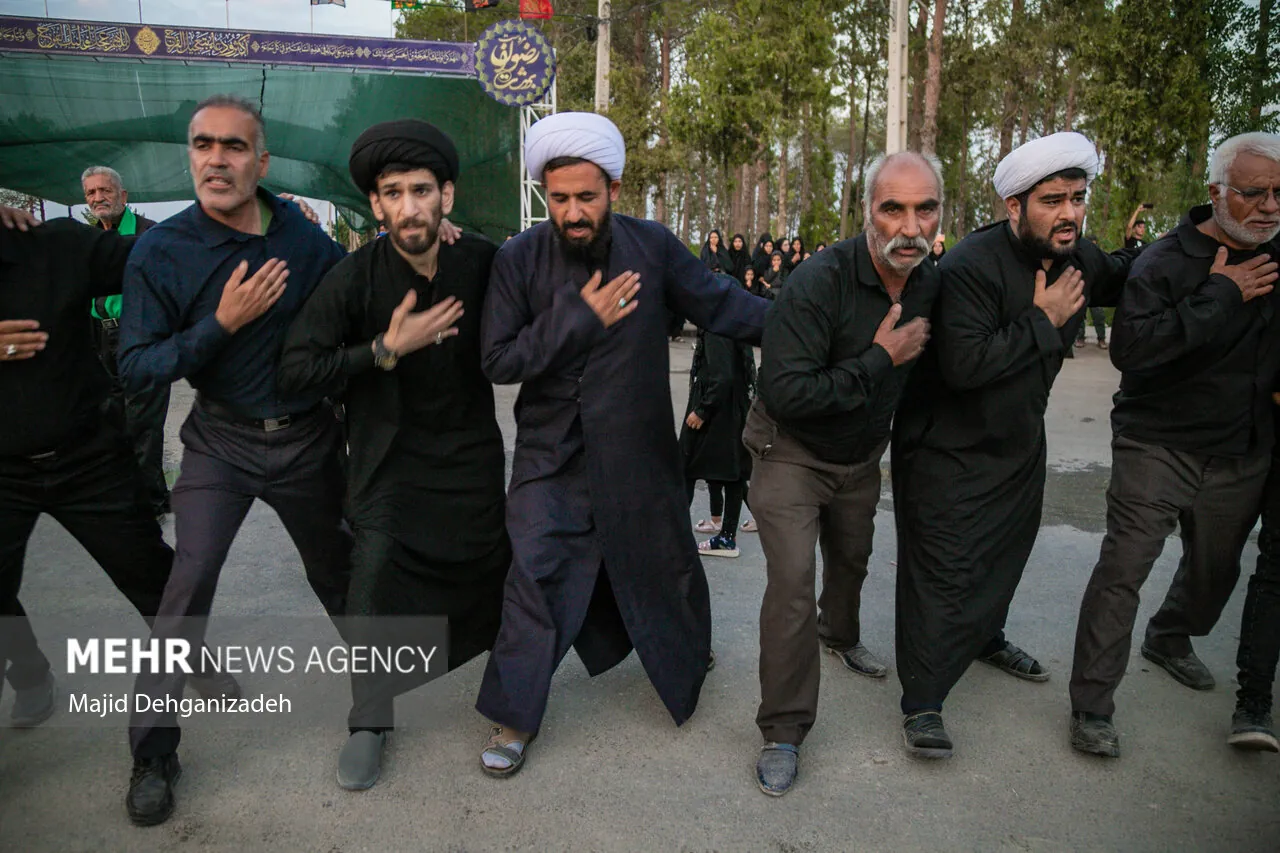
[408, 142]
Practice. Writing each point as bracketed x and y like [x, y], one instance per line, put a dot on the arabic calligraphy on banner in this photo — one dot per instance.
[90, 38]
[515, 63]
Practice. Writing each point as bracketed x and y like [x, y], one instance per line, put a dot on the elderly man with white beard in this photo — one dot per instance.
[1196, 340]
[838, 347]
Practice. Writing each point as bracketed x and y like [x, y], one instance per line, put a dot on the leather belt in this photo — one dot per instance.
[110, 324]
[265, 424]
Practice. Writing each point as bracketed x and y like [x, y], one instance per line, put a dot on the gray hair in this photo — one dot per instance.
[245, 106]
[873, 176]
[103, 170]
[1261, 144]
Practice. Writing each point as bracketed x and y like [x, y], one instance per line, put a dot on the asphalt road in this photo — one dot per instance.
[611, 772]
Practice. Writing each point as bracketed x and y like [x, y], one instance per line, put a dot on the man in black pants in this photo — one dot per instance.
[205, 299]
[58, 454]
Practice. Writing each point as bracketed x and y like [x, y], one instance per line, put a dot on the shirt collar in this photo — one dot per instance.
[1197, 244]
[214, 233]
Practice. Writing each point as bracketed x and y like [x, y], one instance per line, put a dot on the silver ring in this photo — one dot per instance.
[11, 350]
[439, 337]
[622, 303]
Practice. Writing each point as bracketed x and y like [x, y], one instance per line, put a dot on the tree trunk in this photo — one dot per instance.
[805, 202]
[782, 190]
[1008, 108]
[1024, 123]
[685, 204]
[1069, 119]
[917, 82]
[762, 198]
[933, 81]
[660, 195]
[1261, 72]
[1051, 98]
[704, 208]
[862, 159]
[846, 184]
[746, 201]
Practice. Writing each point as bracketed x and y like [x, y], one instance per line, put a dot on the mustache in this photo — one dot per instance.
[216, 172]
[1063, 227]
[900, 242]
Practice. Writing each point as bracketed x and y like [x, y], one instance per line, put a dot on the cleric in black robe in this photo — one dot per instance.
[968, 461]
[395, 330]
[604, 555]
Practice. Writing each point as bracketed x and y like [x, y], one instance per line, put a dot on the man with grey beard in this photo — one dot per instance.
[838, 347]
[969, 439]
[1197, 339]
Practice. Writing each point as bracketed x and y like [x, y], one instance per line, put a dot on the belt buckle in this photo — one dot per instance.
[48, 456]
[111, 323]
[276, 424]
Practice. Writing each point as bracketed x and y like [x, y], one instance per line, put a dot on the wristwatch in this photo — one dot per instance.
[383, 357]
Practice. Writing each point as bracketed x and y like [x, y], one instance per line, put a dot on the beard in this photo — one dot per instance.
[592, 250]
[415, 244]
[884, 249]
[1239, 231]
[1044, 247]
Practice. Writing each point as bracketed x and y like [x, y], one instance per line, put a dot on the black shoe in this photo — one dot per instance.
[161, 508]
[925, 736]
[1251, 729]
[219, 685]
[859, 659]
[33, 705]
[1189, 670]
[150, 799]
[777, 767]
[1094, 734]
[360, 762]
[1017, 663]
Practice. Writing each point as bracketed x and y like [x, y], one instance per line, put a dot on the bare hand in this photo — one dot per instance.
[245, 301]
[612, 301]
[1062, 301]
[410, 332]
[449, 232]
[14, 217]
[303, 206]
[23, 337]
[904, 343]
[1255, 277]
[694, 421]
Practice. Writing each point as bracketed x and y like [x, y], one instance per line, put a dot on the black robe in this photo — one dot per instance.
[426, 463]
[721, 382]
[597, 480]
[968, 459]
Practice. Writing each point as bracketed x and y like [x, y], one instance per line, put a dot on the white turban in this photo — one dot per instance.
[587, 136]
[1029, 164]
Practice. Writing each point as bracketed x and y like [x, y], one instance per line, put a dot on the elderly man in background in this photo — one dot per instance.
[143, 412]
[1197, 341]
[969, 437]
[838, 347]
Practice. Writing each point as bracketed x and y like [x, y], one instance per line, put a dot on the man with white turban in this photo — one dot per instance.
[969, 444]
[1197, 341]
[604, 557]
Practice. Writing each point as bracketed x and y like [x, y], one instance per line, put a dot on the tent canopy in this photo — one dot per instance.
[61, 114]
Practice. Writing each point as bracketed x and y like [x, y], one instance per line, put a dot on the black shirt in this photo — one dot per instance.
[49, 274]
[821, 377]
[1198, 362]
[172, 287]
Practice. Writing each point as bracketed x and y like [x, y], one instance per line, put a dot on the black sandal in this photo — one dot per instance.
[504, 751]
[1017, 663]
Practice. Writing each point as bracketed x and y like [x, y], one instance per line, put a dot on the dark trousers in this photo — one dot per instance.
[1153, 490]
[92, 489]
[731, 494]
[1099, 318]
[715, 496]
[801, 502]
[143, 417]
[1260, 623]
[225, 466]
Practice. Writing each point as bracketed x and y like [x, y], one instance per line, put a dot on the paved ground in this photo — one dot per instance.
[611, 772]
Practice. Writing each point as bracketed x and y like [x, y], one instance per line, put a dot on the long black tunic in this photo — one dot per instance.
[721, 381]
[426, 456]
[604, 555]
[968, 459]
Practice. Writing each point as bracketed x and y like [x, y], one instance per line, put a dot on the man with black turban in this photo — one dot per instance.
[394, 329]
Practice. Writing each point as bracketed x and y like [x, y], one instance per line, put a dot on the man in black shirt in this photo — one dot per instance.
[426, 490]
[837, 349]
[58, 453]
[969, 440]
[1197, 338]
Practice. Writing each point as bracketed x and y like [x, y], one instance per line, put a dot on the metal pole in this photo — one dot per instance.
[896, 118]
[604, 13]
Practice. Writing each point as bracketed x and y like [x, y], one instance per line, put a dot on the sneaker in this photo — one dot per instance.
[1094, 734]
[1251, 729]
[1079, 343]
[718, 546]
[150, 798]
[1102, 344]
[925, 736]
[777, 767]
